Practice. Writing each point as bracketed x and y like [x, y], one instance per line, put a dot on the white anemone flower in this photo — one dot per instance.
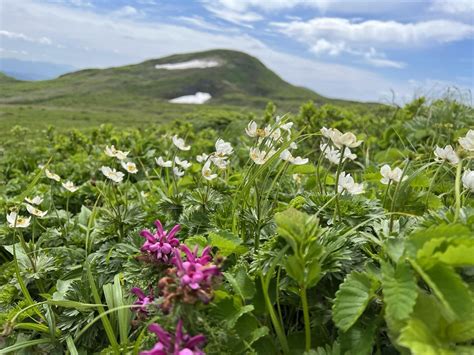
[251, 129]
[223, 148]
[346, 183]
[468, 179]
[388, 174]
[220, 162]
[34, 211]
[344, 139]
[202, 157]
[110, 151]
[297, 178]
[52, 176]
[164, 164]
[112, 174]
[183, 163]
[35, 200]
[276, 134]
[121, 155]
[467, 142]
[69, 185]
[180, 144]
[178, 172]
[328, 132]
[207, 172]
[16, 221]
[130, 167]
[258, 156]
[287, 156]
[446, 154]
[330, 153]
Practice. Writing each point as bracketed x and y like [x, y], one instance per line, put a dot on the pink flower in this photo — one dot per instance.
[162, 244]
[182, 344]
[143, 300]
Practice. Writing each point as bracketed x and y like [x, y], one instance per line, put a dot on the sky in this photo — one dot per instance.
[378, 50]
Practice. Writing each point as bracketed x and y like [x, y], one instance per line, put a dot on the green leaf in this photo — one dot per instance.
[459, 255]
[399, 290]
[417, 337]
[359, 339]
[449, 288]
[241, 283]
[295, 268]
[227, 243]
[24, 344]
[352, 298]
[461, 331]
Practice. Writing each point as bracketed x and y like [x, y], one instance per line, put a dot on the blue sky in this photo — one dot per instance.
[364, 50]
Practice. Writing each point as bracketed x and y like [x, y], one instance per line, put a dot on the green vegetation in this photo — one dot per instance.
[355, 243]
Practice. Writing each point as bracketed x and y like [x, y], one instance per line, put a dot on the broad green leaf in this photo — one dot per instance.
[459, 255]
[352, 298]
[449, 288]
[295, 268]
[417, 337]
[399, 290]
[241, 283]
[227, 243]
[359, 339]
[461, 331]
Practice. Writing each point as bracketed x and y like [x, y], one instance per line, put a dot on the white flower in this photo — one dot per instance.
[35, 200]
[467, 142]
[251, 129]
[51, 175]
[110, 151]
[178, 172]
[162, 163]
[328, 132]
[179, 143]
[260, 157]
[130, 167]
[35, 212]
[207, 172]
[468, 179]
[346, 183]
[344, 139]
[287, 156]
[391, 175]
[276, 134]
[183, 163]
[447, 153]
[115, 153]
[223, 148]
[121, 155]
[112, 174]
[220, 162]
[14, 220]
[69, 185]
[330, 153]
[202, 157]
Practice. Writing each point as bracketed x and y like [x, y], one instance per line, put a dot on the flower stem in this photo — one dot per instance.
[457, 190]
[307, 325]
[338, 172]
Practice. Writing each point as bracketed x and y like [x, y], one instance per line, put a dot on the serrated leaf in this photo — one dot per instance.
[461, 331]
[449, 288]
[351, 299]
[227, 243]
[241, 283]
[459, 255]
[417, 337]
[399, 290]
[359, 339]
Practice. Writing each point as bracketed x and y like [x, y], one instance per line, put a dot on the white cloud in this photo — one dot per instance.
[126, 11]
[235, 17]
[334, 36]
[200, 22]
[453, 7]
[23, 37]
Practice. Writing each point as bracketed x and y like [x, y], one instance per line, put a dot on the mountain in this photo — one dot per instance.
[236, 79]
[32, 70]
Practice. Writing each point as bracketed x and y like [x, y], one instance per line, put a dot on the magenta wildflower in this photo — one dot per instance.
[162, 244]
[143, 300]
[196, 272]
[181, 344]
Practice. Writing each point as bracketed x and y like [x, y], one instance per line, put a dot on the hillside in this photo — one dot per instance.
[238, 79]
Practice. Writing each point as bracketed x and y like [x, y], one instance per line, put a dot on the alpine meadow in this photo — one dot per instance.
[198, 203]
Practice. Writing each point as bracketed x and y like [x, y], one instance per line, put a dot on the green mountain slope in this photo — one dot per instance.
[239, 79]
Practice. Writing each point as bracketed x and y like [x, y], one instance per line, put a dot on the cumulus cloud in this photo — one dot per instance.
[334, 36]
